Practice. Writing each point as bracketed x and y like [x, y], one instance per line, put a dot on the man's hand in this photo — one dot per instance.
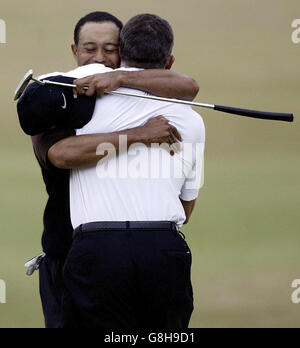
[163, 83]
[98, 84]
[158, 130]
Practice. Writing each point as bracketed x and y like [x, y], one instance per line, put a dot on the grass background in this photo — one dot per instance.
[245, 231]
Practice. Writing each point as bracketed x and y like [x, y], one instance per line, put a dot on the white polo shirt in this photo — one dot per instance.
[145, 184]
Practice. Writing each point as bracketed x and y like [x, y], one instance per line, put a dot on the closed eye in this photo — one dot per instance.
[111, 51]
[90, 50]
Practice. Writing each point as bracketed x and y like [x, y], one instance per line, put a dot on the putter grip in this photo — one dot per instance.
[256, 114]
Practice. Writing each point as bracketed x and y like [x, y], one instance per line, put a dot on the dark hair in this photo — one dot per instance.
[96, 17]
[146, 41]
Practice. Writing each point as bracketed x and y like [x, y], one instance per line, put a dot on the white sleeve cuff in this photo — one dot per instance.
[189, 195]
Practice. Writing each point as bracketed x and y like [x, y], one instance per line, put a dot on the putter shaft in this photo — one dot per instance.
[176, 101]
[287, 117]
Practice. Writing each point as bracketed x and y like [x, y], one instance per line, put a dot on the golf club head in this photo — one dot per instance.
[23, 84]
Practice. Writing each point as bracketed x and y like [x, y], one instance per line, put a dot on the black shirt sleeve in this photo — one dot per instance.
[43, 142]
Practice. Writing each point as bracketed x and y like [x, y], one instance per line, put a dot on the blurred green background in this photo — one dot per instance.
[245, 231]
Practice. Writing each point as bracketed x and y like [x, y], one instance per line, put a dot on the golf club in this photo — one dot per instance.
[275, 116]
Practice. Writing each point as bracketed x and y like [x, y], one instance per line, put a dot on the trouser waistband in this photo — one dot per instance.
[126, 225]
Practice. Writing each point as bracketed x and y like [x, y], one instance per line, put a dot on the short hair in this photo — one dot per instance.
[146, 41]
[96, 17]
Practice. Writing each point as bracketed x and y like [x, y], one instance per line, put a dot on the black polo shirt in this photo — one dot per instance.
[57, 235]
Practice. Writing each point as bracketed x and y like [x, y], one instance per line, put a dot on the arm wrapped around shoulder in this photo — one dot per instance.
[43, 107]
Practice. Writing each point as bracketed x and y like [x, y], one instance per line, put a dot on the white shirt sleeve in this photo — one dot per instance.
[80, 72]
[194, 160]
[195, 177]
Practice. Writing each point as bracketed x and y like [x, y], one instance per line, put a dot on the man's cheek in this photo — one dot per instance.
[116, 62]
[85, 59]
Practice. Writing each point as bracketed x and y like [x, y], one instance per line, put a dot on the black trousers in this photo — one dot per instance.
[128, 278]
[52, 291]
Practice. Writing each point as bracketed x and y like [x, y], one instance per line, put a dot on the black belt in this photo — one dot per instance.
[126, 225]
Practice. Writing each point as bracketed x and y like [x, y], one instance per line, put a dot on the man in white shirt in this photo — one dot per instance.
[96, 41]
[128, 266]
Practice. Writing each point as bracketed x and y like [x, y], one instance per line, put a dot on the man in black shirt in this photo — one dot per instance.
[58, 150]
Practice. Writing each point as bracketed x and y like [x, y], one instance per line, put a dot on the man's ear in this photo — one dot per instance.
[74, 50]
[170, 62]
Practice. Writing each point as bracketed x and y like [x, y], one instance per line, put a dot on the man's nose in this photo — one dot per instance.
[99, 57]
